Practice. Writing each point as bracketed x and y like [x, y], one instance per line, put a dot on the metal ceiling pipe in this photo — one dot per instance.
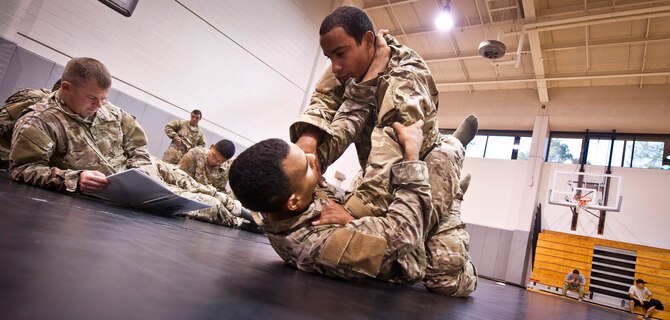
[635, 14]
[606, 76]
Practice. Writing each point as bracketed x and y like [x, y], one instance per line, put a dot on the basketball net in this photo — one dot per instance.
[582, 201]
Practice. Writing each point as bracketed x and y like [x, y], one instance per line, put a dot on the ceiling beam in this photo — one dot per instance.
[385, 4]
[556, 78]
[535, 52]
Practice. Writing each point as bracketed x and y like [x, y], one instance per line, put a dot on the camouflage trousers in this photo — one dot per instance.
[184, 185]
[443, 262]
[6, 127]
[449, 269]
[173, 154]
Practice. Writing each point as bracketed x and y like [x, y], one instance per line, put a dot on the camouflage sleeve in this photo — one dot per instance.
[372, 244]
[407, 96]
[323, 105]
[134, 142]
[171, 129]
[30, 158]
[188, 163]
[348, 122]
[201, 139]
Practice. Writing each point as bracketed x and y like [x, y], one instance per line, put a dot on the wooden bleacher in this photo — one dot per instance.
[558, 253]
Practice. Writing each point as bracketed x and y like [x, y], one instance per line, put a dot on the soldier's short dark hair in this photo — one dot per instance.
[198, 112]
[257, 177]
[80, 70]
[56, 86]
[575, 271]
[225, 148]
[353, 20]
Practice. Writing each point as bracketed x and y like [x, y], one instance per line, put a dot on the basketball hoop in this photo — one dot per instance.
[582, 201]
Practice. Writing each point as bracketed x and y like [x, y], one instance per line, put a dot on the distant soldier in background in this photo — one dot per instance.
[11, 111]
[210, 167]
[185, 135]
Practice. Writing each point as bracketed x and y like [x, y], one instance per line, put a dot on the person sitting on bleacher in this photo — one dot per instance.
[640, 296]
[574, 282]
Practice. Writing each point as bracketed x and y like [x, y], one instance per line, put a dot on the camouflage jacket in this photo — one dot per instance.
[406, 92]
[52, 145]
[388, 248]
[10, 112]
[190, 137]
[195, 164]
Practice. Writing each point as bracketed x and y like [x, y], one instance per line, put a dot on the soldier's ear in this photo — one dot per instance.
[293, 202]
[369, 39]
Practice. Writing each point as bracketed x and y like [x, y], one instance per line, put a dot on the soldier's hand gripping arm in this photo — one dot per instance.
[371, 244]
[352, 115]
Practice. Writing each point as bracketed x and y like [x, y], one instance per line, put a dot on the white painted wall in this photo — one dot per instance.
[248, 65]
[494, 196]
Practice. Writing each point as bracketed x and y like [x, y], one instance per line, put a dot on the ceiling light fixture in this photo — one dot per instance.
[444, 20]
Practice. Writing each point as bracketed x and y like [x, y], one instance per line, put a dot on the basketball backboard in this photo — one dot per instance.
[586, 190]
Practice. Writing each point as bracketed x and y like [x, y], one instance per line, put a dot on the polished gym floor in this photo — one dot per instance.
[69, 257]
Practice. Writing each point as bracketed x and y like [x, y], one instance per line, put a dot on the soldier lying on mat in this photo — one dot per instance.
[407, 245]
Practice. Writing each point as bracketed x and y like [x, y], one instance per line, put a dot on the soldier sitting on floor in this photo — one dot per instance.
[73, 138]
[210, 167]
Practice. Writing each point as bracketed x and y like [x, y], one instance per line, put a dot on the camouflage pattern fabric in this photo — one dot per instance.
[194, 162]
[405, 92]
[449, 270]
[11, 111]
[183, 184]
[52, 145]
[371, 246]
[190, 137]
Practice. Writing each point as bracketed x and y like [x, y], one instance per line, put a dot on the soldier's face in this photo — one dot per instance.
[84, 100]
[214, 158]
[195, 118]
[348, 58]
[303, 175]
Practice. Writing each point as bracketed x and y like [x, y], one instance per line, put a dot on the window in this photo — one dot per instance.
[564, 150]
[524, 148]
[499, 147]
[498, 144]
[476, 147]
[628, 150]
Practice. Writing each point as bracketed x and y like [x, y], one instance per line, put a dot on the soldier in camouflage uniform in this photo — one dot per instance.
[405, 92]
[10, 112]
[210, 168]
[280, 180]
[371, 246]
[73, 138]
[185, 134]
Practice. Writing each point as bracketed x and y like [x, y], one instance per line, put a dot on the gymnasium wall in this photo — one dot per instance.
[248, 65]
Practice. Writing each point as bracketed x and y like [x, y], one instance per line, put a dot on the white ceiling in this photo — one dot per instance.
[567, 43]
